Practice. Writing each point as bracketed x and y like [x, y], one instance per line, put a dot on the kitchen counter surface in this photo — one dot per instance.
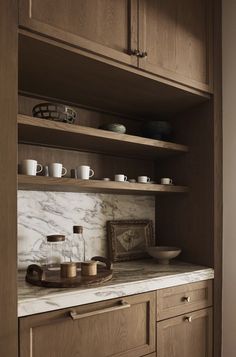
[129, 278]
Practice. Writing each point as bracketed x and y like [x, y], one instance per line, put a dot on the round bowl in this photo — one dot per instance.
[115, 127]
[159, 130]
[163, 254]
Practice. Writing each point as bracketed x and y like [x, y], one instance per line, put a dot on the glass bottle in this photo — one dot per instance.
[56, 251]
[78, 245]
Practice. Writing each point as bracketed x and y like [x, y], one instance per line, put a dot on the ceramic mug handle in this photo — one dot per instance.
[40, 168]
[148, 179]
[125, 178]
[65, 171]
[171, 181]
[92, 173]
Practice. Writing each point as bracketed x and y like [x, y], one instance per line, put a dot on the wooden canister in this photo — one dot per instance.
[68, 270]
[89, 268]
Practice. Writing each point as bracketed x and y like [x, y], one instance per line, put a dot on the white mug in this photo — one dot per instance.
[84, 172]
[30, 167]
[166, 181]
[120, 178]
[56, 170]
[144, 179]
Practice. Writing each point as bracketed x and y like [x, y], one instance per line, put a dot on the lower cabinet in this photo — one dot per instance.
[120, 327]
[186, 335]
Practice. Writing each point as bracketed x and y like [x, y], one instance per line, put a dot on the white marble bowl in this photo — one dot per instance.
[163, 254]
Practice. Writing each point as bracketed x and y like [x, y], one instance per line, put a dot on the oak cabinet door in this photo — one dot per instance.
[104, 27]
[177, 36]
[186, 335]
[112, 328]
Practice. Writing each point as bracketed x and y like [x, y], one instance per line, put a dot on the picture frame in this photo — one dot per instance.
[128, 239]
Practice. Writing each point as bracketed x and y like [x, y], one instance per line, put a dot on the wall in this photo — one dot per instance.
[43, 213]
[229, 177]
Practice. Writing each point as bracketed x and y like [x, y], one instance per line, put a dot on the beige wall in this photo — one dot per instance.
[229, 177]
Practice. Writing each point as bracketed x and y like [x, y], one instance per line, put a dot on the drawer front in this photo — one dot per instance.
[124, 328]
[188, 335]
[185, 298]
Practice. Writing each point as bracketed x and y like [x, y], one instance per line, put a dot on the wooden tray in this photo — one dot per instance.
[39, 276]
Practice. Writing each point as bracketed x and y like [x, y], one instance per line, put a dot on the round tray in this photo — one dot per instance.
[41, 276]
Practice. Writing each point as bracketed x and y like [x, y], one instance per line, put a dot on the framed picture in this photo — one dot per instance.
[128, 239]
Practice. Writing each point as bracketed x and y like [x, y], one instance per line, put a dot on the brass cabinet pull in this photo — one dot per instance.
[188, 318]
[135, 53]
[140, 54]
[122, 305]
[187, 298]
[143, 54]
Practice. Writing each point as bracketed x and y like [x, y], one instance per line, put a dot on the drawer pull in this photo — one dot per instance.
[188, 318]
[122, 305]
[187, 298]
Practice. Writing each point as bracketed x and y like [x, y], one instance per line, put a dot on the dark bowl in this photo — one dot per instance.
[159, 130]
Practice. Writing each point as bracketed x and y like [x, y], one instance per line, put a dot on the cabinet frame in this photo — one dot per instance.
[165, 73]
[27, 21]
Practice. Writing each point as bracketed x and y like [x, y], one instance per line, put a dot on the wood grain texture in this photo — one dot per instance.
[102, 84]
[188, 222]
[105, 27]
[38, 183]
[177, 37]
[173, 301]
[8, 179]
[218, 189]
[77, 137]
[57, 335]
[103, 165]
[177, 337]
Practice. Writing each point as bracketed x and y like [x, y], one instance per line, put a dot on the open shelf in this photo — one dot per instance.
[61, 135]
[41, 183]
[61, 72]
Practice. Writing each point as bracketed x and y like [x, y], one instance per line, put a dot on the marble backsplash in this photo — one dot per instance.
[44, 213]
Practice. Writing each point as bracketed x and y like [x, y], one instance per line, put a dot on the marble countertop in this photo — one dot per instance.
[129, 278]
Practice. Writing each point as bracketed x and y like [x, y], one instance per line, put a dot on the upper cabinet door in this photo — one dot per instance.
[177, 36]
[104, 27]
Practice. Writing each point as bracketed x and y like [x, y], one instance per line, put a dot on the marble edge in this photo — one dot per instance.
[69, 299]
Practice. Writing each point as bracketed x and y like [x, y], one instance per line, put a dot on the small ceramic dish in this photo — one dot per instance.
[115, 127]
[163, 254]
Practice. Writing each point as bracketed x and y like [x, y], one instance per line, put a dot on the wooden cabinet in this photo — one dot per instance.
[183, 299]
[124, 328]
[105, 27]
[184, 316]
[186, 335]
[177, 37]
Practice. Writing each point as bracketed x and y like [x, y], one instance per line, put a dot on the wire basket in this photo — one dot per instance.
[55, 112]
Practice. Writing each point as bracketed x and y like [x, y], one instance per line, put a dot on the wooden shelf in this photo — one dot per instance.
[41, 183]
[50, 69]
[68, 136]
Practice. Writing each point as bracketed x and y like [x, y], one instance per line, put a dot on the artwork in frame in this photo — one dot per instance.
[128, 239]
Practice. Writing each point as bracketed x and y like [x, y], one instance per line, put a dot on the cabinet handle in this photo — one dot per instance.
[122, 305]
[135, 53]
[188, 318]
[143, 54]
[187, 298]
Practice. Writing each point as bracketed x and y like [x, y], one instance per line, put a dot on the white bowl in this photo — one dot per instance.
[163, 254]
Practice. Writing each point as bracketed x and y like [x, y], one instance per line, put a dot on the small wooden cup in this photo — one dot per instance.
[68, 270]
[89, 268]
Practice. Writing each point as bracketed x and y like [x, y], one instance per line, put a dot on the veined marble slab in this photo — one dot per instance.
[44, 213]
[129, 278]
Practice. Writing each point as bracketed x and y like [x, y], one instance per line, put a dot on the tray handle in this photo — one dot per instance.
[32, 269]
[104, 260]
